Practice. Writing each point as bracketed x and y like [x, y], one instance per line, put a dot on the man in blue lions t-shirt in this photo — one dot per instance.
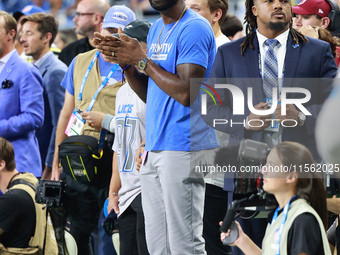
[181, 46]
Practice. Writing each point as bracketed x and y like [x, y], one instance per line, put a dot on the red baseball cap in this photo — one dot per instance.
[307, 7]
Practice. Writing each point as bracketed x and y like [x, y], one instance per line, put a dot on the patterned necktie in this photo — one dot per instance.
[270, 72]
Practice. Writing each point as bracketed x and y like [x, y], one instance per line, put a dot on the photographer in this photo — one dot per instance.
[298, 225]
[18, 210]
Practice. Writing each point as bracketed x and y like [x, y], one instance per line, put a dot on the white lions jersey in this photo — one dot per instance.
[129, 134]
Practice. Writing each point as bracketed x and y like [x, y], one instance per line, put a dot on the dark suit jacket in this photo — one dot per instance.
[307, 60]
[53, 71]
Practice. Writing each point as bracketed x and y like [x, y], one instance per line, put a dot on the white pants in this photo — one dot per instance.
[173, 201]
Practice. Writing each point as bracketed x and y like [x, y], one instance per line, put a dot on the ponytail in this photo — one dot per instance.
[309, 185]
[313, 190]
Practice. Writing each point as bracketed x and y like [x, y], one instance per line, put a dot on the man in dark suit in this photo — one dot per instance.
[88, 17]
[298, 57]
[250, 63]
[39, 31]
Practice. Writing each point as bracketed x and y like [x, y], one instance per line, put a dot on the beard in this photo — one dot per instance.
[167, 4]
[278, 26]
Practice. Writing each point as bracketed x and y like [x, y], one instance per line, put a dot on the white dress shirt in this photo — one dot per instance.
[280, 52]
[5, 59]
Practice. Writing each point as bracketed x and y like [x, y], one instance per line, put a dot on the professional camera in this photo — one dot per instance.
[243, 163]
[50, 193]
[247, 207]
[252, 152]
[249, 198]
[252, 156]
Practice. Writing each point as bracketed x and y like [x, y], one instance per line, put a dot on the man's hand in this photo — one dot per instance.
[113, 203]
[56, 170]
[291, 113]
[93, 118]
[127, 51]
[139, 157]
[255, 119]
[47, 173]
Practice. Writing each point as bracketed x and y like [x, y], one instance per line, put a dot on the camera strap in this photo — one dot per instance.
[43, 237]
[20, 181]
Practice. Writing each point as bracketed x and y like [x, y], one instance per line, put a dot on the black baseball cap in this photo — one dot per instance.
[138, 29]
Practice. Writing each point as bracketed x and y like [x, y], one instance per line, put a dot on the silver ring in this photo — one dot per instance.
[113, 53]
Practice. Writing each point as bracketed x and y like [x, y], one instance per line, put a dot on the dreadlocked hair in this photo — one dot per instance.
[251, 25]
[297, 35]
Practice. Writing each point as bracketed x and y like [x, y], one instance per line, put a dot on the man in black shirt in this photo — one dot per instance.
[17, 210]
[88, 18]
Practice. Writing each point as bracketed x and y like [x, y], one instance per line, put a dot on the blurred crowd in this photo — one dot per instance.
[97, 94]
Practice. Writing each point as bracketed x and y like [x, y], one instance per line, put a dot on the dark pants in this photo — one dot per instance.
[132, 230]
[83, 207]
[215, 208]
[84, 203]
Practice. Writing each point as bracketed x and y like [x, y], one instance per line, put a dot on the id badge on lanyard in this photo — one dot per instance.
[278, 231]
[75, 124]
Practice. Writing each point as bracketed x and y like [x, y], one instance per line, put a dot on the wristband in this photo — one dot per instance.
[126, 67]
[123, 70]
[142, 145]
[113, 193]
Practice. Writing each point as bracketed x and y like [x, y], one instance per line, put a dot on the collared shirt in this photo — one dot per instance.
[280, 52]
[42, 59]
[5, 59]
[272, 139]
[222, 39]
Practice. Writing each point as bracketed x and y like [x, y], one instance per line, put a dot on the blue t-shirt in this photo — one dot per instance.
[104, 67]
[167, 121]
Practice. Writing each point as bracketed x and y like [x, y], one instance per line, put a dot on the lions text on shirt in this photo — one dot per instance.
[130, 132]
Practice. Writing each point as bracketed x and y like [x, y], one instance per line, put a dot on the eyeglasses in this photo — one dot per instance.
[79, 14]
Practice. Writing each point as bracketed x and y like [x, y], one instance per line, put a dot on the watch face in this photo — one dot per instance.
[301, 116]
[142, 64]
[302, 119]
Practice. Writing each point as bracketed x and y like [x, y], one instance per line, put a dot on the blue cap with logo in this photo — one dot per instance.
[28, 10]
[118, 16]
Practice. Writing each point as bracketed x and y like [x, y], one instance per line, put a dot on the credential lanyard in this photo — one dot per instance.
[284, 218]
[87, 75]
[114, 68]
